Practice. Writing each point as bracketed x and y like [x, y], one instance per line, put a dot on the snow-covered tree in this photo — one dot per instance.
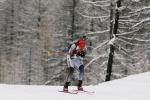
[34, 39]
[123, 41]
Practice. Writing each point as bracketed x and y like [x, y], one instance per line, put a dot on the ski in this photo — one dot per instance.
[84, 91]
[69, 92]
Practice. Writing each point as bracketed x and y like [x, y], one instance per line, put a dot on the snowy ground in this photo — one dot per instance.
[135, 87]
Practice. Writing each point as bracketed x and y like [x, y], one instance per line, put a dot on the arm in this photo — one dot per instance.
[70, 53]
[71, 50]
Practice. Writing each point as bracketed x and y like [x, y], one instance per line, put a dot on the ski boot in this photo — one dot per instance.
[80, 88]
[65, 89]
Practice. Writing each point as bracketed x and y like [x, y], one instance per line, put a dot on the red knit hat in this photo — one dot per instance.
[81, 43]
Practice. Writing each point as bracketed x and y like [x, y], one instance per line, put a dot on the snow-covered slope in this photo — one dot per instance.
[135, 87]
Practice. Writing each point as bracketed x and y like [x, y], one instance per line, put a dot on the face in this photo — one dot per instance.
[81, 47]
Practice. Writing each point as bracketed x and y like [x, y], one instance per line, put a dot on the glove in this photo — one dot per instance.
[81, 53]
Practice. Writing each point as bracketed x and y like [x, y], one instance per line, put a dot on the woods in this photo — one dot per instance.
[35, 35]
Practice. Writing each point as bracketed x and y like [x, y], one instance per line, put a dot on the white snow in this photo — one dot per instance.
[135, 87]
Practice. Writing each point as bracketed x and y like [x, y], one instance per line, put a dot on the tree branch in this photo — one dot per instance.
[141, 22]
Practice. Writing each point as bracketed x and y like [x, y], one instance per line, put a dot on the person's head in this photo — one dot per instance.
[82, 42]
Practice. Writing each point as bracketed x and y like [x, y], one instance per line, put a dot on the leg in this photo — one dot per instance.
[70, 71]
[79, 65]
[81, 72]
[81, 75]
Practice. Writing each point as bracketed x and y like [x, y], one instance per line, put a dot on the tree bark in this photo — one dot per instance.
[30, 67]
[73, 17]
[92, 20]
[113, 31]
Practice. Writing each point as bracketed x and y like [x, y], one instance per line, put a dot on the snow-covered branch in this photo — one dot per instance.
[104, 63]
[97, 32]
[112, 41]
[141, 9]
[127, 42]
[127, 65]
[126, 53]
[141, 22]
[131, 20]
[136, 39]
[127, 50]
[95, 58]
[127, 33]
[101, 45]
[93, 17]
[95, 2]
[120, 57]
[101, 4]
[129, 16]
[120, 8]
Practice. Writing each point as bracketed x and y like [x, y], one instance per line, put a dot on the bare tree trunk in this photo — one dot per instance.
[92, 20]
[30, 67]
[73, 17]
[39, 18]
[10, 48]
[46, 68]
[114, 30]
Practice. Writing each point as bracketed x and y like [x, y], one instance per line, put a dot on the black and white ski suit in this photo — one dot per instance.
[75, 61]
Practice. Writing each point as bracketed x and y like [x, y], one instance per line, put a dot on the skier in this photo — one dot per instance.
[75, 57]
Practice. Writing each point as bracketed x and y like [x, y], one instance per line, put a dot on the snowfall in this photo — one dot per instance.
[134, 87]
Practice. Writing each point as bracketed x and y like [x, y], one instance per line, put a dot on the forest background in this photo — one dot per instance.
[35, 35]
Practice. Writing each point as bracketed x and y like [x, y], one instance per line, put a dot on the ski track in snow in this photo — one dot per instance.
[134, 87]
